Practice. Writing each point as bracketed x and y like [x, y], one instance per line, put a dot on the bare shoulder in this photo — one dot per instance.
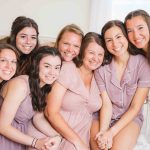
[15, 86]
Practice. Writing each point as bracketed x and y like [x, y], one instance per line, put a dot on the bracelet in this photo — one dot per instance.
[34, 142]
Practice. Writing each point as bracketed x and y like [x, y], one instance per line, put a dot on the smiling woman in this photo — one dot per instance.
[69, 42]
[138, 28]
[123, 89]
[22, 96]
[24, 37]
[75, 97]
[8, 62]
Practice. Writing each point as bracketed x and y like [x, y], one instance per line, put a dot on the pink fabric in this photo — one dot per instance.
[78, 104]
[137, 74]
[32, 131]
[24, 113]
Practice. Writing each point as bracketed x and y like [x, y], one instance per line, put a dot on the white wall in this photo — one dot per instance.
[51, 15]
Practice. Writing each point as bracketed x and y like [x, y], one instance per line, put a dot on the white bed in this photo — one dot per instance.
[143, 142]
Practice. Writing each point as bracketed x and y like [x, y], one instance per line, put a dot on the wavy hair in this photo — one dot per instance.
[146, 17]
[38, 94]
[20, 23]
[131, 48]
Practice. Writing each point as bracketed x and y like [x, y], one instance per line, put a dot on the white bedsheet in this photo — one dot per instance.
[143, 142]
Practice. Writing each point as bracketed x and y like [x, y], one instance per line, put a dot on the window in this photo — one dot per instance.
[102, 11]
[120, 8]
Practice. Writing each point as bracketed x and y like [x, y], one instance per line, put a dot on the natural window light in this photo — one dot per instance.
[120, 8]
[102, 11]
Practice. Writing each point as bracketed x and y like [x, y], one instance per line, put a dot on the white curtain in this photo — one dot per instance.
[100, 13]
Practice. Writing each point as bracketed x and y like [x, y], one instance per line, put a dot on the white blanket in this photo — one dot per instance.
[143, 142]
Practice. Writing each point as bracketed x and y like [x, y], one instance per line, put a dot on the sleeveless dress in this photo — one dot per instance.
[23, 115]
[34, 132]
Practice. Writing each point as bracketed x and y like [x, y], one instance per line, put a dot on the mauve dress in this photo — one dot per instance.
[78, 104]
[23, 116]
[34, 132]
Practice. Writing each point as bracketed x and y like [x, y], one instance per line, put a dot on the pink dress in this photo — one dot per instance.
[78, 104]
[23, 115]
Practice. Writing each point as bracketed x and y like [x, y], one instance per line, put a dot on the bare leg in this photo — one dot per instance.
[94, 131]
[127, 137]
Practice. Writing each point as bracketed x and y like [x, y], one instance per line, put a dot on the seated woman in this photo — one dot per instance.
[24, 37]
[137, 24]
[75, 97]
[68, 43]
[8, 62]
[22, 96]
[124, 86]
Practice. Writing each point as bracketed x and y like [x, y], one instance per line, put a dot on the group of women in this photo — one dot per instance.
[86, 92]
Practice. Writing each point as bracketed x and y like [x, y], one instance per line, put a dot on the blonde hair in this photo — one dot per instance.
[69, 28]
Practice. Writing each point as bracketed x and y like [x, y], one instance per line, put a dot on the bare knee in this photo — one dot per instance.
[126, 138]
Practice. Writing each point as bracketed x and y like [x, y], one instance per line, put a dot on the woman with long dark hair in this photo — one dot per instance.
[24, 37]
[25, 94]
[137, 24]
[124, 86]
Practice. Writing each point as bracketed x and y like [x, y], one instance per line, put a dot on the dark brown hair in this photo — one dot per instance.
[38, 94]
[146, 17]
[131, 48]
[20, 23]
[88, 38]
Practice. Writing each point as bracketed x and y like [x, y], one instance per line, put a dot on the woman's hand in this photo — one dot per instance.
[41, 144]
[101, 144]
[53, 143]
[104, 139]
